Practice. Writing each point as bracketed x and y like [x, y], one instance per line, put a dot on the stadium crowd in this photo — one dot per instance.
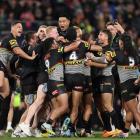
[61, 59]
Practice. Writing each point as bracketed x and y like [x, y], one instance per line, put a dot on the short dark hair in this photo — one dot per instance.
[71, 34]
[29, 35]
[65, 15]
[85, 36]
[15, 22]
[108, 33]
[129, 48]
[47, 44]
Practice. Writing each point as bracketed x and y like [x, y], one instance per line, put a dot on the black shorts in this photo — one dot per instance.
[12, 83]
[88, 85]
[3, 68]
[28, 89]
[55, 88]
[30, 79]
[74, 82]
[29, 84]
[129, 91]
[103, 84]
[42, 77]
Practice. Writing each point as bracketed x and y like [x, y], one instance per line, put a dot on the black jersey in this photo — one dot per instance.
[28, 66]
[42, 48]
[9, 42]
[127, 66]
[108, 70]
[74, 60]
[54, 64]
[115, 42]
[6, 47]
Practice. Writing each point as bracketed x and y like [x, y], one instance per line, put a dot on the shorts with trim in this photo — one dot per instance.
[74, 82]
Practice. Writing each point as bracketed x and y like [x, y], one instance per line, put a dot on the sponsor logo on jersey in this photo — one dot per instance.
[55, 92]
[74, 62]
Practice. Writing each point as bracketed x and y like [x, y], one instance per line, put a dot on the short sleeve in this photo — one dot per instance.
[86, 45]
[61, 49]
[13, 43]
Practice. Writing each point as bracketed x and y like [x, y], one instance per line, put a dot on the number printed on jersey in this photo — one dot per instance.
[73, 56]
[131, 61]
[47, 63]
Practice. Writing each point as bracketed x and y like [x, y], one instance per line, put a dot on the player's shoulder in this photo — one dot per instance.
[85, 43]
[9, 37]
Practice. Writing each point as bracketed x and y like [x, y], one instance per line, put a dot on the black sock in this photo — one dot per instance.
[71, 127]
[85, 124]
[115, 119]
[125, 130]
[106, 120]
[1, 103]
[89, 125]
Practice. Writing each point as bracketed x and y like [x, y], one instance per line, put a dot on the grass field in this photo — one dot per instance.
[97, 137]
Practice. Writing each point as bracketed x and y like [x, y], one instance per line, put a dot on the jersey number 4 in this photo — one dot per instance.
[73, 56]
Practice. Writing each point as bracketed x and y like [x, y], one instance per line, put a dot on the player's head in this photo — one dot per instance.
[52, 32]
[79, 32]
[126, 44]
[50, 43]
[31, 38]
[16, 28]
[71, 34]
[41, 33]
[63, 22]
[105, 37]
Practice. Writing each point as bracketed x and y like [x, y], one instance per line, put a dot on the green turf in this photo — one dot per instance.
[97, 137]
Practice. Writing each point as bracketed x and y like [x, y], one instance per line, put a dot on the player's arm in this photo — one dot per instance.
[92, 47]
[101, 59]
[73, 46]
[95, 48]
[108, 57]
[18, 51]
[95, 64]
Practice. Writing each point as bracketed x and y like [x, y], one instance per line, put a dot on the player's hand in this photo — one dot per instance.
[92, 42]
[15, 76]
[90, 55]
[61, 39]
[34, 55]
[119, 27]
[88, 62]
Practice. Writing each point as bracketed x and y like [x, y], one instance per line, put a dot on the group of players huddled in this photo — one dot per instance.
[61, 72]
